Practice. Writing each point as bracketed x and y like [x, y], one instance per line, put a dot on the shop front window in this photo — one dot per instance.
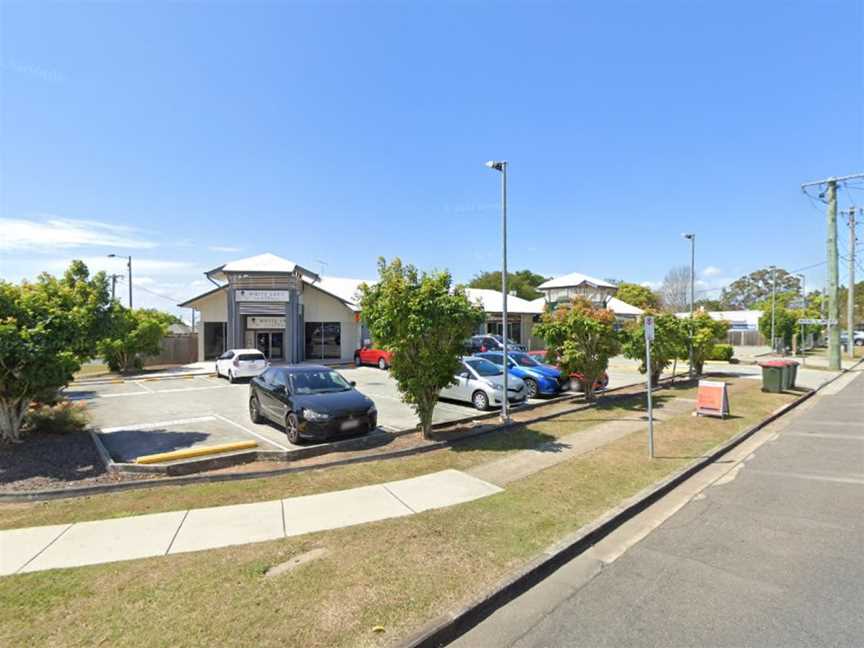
[323, 340]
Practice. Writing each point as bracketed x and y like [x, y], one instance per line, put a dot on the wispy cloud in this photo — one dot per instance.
[54, 233]
[223, 248]
[33, 71]
[712, 271]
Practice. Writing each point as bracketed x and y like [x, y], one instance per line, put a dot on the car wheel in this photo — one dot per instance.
[382, 364]
[218, 375]
[480, 400]
[231, 378]
[254, 412]
[531, 386]
[292, 428]
[357, 360]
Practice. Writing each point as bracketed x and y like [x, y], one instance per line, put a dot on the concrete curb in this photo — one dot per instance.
[444, 630]
[179, 476]
[143, 377]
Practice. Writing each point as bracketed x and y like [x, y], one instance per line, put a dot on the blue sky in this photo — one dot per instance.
[189, 135]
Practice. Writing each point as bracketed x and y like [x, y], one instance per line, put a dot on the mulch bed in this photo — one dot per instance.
[53, 461]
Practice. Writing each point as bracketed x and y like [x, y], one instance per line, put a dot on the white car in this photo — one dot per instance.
[240, 363]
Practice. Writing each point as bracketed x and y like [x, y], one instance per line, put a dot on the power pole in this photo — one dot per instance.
[850, 291]
[831, 248]
[773, 306]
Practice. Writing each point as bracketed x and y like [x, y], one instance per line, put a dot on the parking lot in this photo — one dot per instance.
[140, 417]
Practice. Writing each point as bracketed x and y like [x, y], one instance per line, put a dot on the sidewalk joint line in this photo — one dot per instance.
[174, 537]
[41, 551]
[399, 499]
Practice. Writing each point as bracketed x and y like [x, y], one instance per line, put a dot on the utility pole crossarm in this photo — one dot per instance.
[854, 176]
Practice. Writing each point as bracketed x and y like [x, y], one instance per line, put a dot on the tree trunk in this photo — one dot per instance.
[12, 412]
[424, 411]
[588, 388]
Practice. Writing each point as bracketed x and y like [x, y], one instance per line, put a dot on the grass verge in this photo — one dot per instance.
[395, 574]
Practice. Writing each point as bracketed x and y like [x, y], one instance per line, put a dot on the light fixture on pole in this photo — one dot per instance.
[129, 266]
[692, 238]
[502, 167]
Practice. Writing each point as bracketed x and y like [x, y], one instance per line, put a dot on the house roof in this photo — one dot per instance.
[492, 301]
[262, 263]
[750, 317]
[189, 302]
[344, 289]
[574, 279]
[622, 308]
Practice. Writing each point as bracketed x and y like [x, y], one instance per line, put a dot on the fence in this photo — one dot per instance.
[745, 338]
[176, 349]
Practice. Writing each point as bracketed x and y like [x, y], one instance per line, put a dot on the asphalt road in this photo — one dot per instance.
[772, 554]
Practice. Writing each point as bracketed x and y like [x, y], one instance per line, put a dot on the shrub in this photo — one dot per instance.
[63, 417]
[722, 352]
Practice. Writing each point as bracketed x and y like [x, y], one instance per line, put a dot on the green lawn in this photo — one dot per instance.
[397, 573]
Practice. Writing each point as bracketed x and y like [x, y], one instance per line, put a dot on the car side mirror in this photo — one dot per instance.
[353, 383]
[463, 374]
[280, 389]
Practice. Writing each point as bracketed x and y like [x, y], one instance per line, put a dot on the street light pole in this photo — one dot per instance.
[692, 238]
[129, 266]
[803, 310]
[502, 167]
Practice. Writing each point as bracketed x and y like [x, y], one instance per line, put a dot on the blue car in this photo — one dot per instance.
[539, 378]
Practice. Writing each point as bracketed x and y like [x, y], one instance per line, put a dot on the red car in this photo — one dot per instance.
[370, 356]
[600, 384]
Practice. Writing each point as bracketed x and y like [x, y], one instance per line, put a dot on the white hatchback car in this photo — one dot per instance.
[240, 363]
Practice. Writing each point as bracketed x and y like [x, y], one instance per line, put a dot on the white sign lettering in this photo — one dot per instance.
[265, 322]
[262, 295]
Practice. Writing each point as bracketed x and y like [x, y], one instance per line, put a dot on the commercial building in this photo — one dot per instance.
[287, 311]
[521, 315]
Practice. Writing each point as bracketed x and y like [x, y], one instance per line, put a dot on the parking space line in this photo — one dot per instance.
[163, 391]
[140, 384]
[255, 434]
[147, 426]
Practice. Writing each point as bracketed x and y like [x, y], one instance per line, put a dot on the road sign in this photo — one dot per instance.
[649, 328]
[649, 337]
[819, 322]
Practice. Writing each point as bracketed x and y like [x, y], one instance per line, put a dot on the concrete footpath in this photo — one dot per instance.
[143, 536]
[762, 548]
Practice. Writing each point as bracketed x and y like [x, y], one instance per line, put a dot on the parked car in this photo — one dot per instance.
[481, 343]
[539, 378]
[310, 402]
[371, 356]
[857, 338]
[481, 383]
[240, 363]
[576, 378]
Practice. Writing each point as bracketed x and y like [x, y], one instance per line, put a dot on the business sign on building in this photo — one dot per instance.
[264, 322]
[262, 295]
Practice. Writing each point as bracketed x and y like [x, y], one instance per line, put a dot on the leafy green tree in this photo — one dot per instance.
[423, 320]
[47, 329]
[708, 305]
[744, 293]
[638, 296]
[133, 334]
[670, 342]
[705, 332]
[523, 282]
[580, 338]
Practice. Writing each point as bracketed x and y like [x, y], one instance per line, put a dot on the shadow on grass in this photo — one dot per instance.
[516, 438]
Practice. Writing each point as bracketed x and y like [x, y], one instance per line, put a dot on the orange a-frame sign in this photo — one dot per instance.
[712, 399]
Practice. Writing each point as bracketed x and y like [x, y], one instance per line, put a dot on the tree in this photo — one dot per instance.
[670, 342]
[706, 332]
[675, 290]
[47, 329]
[423, 321]
[708, 305]
[133, 334]
[523, 282]
[638, 296]
[744, 293]
[580, 339]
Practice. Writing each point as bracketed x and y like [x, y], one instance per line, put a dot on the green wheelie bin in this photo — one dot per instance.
[791, 373]
[773, 376]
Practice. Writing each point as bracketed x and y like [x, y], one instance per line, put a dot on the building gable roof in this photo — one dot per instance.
[492, 301]
[574, 279]
[261, 263]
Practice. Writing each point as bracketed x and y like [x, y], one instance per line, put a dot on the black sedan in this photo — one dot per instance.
[310, 402]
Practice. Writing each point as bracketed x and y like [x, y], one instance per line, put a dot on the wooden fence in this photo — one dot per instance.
[745, 338]
[176, 349]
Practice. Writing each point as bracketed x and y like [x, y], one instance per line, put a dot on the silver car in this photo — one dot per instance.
[481, 383]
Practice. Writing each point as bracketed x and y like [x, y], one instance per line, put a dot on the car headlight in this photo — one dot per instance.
[494, 386]
[312, 415]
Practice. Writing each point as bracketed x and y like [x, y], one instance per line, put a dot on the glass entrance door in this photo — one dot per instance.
[276, 349]
[262, 343]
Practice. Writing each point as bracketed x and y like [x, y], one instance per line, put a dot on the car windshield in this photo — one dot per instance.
[524, 360]
[251, 356]
[318, 382]
[500, 340]
[484, 367]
